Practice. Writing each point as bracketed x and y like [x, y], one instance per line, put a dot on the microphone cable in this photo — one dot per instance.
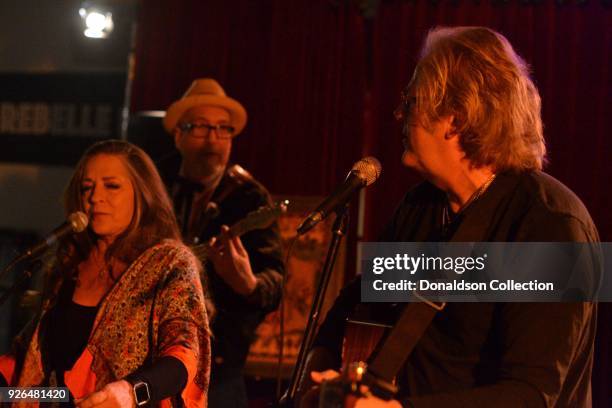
[281, 312]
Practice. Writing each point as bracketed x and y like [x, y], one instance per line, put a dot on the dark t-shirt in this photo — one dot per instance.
[237, 317]
[492, 354]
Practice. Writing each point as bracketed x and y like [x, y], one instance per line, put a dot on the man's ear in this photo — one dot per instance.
[449, 123]
[176, 133]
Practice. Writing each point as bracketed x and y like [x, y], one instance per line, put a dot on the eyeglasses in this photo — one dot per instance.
[407, 102]
[204, 129]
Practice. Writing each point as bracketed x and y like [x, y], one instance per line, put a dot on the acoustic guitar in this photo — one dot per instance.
[261, 218]
[363, 335]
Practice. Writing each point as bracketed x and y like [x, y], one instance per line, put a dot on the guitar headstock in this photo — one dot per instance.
[263, 217]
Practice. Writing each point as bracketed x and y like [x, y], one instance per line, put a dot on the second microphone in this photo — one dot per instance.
[364, 172]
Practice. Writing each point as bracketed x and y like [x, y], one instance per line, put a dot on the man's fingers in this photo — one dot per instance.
[239, 247]
[233, 244]
[223, 244]
[320, 376]
[350, 401]
[225, 234]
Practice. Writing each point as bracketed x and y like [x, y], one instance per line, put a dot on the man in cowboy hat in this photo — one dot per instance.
[244, 274]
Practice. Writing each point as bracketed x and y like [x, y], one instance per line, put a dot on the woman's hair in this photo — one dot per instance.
[153, 219]
[474, 74]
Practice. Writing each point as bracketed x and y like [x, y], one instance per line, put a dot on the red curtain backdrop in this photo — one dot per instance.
[320, 79]
[297, 67]
[568, 47]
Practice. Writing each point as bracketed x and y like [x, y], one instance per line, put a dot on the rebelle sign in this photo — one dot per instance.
[39, 112]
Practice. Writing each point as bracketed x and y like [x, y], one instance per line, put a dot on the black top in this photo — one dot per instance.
[67, 327]
[237, 316]
[493, 354]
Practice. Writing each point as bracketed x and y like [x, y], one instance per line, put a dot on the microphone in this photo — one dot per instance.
[76, 222]
[365, 172]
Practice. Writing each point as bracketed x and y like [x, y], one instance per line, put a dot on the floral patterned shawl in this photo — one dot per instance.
[156, 308]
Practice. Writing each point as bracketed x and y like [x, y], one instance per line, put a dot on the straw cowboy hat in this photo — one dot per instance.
[206, 92]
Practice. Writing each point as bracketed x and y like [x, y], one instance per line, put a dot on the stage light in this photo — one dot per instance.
[98, 23]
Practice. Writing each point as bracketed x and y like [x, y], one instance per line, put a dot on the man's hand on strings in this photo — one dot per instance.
[232, 263]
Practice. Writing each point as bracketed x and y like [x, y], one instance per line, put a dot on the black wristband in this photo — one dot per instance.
[165, 378]
[141, 390]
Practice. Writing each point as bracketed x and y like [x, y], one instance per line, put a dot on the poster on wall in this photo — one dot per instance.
[303, 270]
[52, 118]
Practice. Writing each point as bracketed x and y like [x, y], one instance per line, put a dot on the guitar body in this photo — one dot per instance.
[364, 333]
[364, 330]
[360, 340]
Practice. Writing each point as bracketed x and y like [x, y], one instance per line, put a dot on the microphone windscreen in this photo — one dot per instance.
[368, 169]
[78, 221]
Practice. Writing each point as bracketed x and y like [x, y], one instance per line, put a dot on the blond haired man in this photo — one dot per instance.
[472, 129]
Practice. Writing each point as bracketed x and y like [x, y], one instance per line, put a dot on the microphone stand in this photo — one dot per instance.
[10, 266]
[338, 231]
[30, 253]
[25, 275]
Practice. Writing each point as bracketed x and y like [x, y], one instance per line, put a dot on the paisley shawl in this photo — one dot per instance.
[156, 308]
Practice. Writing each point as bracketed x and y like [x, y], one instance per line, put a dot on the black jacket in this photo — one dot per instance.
[493, 354]
[237, 317]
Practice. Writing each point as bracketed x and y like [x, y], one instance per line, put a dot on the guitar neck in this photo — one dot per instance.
[236, 230]
[260, 218]
[201, 251]
[240, 228]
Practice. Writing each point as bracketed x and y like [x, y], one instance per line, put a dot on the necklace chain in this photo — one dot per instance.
[446, 219]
